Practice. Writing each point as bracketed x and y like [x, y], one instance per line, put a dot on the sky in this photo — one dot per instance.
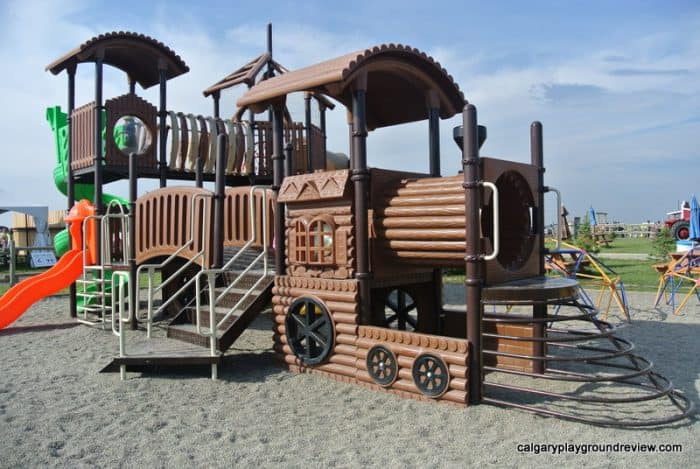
[616, 85]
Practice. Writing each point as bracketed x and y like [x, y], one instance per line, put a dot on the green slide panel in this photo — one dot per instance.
[58, 120]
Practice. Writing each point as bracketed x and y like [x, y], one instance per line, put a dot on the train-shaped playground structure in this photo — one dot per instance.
[350, 257]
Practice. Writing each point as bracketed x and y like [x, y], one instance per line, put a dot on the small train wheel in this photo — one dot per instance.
[309, 330]
[401, 311]
[381, 365]
[430, 375]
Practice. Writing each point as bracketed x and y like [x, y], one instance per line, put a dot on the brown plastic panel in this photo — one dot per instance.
[164, 220]
[130, 105]
[237, 230]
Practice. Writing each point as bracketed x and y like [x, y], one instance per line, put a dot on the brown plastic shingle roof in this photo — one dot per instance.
[248, 73]
[398, 80]
[135, 54]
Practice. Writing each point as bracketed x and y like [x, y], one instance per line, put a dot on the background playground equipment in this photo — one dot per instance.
[351, 258]
[577, 263]
[20, 297]
[683, 269]
[681, 273]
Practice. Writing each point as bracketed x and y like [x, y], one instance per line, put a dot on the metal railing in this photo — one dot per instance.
[152, 268]
[96, 301]
[211, 274]
[122, 311]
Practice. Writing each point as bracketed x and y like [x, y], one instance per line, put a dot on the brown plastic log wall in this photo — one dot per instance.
[422, 221]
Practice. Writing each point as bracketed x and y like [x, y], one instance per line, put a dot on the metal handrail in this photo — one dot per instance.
[106, 241]
[496, 227]
[559, 209]
[120, 303]
[86, 282]
[211, 273]
[153, 267]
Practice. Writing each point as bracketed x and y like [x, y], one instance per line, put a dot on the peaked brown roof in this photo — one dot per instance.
[135, 54]
[399, 79]
[246, 74]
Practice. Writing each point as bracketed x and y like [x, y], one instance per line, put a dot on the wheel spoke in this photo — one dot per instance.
[318, 323]
[319, 340]
[298, 320]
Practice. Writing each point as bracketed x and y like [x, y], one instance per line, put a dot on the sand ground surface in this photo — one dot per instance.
[57, 409]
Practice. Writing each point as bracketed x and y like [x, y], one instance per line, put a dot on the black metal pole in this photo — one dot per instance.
[199, 172]
[99, 208]
[133, 195]
[351, 139]
[219, 199]
[307, 127]
[163, 130]
[277, 176]
[70, 184]
[434, 141]
[132, 84]
[288, 163]
[473, 259]
[434, 152]
[539, 311]
[216, 96]
[322, 111]
[360, 178]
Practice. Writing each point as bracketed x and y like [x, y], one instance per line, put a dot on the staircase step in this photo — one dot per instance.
[219, 315]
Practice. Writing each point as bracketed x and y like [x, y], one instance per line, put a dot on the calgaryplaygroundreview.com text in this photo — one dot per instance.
[587, 448]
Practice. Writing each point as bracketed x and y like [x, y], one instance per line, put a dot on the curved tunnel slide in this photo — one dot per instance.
[20, 297]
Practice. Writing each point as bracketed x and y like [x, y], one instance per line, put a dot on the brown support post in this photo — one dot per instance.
[163, 129]
[434, 152]
[351, 139]
[322, 111]
[219, 199]
[307, 127]
[99, 208]
[539, 311]
[473, 258]
[216, 96]
[434, 133]
[288, 163]
[360, 178]
[70, 184]
[133, 280]
[277, 176]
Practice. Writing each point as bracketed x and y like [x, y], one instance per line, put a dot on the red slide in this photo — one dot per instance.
[20, 297]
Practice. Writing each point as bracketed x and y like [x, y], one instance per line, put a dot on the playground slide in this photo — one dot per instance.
[20, 297]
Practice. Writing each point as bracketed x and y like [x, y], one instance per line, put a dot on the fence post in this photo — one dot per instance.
[11, 246]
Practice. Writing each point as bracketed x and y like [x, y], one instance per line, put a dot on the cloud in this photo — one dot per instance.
[567, 92]
[615, 58]
[636, 72]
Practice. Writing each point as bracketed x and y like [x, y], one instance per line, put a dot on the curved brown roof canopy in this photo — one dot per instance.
[135, 54]
[399, 79]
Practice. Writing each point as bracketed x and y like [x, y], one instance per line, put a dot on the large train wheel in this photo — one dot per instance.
[681, 230]
[309, 330]
[430, 375]
[400, 311]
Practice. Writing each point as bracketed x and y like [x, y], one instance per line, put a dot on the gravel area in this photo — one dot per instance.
[57, 409]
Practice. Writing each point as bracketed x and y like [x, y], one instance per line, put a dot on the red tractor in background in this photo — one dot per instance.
[678, 222]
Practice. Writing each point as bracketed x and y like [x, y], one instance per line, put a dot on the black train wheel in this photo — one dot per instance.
[309, 330]
[430, 375]
[381, 365]
[400, 310]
